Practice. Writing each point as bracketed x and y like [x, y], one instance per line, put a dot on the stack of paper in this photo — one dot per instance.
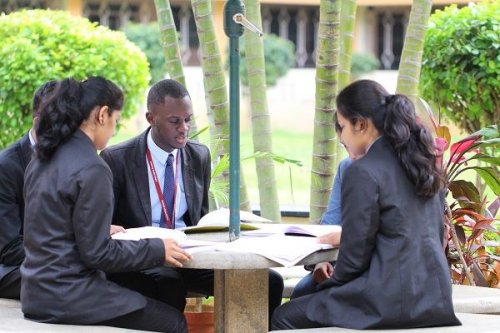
[189, 245]
[285, 250]
[150, 232]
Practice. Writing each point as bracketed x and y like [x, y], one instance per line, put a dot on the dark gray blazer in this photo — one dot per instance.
[69, 206]
[127, 162]
[13, 162]
[391, 271]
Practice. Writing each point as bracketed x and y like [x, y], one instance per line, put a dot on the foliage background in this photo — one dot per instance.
[147, 38]
[362, 63]
[461, 64]
[41, 45]
[279, 57]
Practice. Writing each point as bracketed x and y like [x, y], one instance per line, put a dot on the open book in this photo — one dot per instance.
[218, 220]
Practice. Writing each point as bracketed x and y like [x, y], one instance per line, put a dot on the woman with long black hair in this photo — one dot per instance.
[68, 212]
[391, 271]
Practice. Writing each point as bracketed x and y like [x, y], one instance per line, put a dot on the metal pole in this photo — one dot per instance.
[234, 31]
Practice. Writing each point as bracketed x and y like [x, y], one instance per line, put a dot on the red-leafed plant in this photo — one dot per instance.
[473, 248]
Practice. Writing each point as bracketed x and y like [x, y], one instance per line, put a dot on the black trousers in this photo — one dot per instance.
[292, 315]
[171, 285]
[10, 285]
[155, 316]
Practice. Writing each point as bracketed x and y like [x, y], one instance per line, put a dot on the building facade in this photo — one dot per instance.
[379, 30]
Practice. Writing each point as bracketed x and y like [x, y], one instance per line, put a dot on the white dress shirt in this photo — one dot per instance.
[159, 157]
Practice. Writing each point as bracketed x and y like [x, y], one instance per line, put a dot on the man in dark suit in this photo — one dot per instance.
[13, 162]
[138, 167]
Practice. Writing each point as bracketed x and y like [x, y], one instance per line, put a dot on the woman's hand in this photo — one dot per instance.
[333, 238]
[174, 254]
[322, 271]
[115, 229]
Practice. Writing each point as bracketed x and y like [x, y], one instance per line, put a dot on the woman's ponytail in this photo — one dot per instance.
[394, 117]
[412, 144]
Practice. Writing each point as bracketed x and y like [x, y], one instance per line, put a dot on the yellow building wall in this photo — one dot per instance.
[75, 7]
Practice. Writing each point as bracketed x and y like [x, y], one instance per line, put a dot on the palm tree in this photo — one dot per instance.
[325, 139]
[347, 20]
[411, 57]
[170, 44]
[215, 89]
[261, 123]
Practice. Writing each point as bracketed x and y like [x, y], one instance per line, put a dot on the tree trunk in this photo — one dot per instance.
[215, 89]
[411, 57]
[325, 138]
[261, 122]
[347, 20]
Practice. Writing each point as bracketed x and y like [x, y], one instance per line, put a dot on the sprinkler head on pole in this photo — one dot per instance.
[241, 19]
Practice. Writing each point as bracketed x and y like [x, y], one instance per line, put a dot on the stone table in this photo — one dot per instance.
[241, 284]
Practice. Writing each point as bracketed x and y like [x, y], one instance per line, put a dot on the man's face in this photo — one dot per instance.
[170, 122]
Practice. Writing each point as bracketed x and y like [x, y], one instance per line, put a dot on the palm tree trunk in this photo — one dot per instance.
[325, 139]
[170, 44]
[215, 89]
[261, 123]
[411, 57]
[347, 20]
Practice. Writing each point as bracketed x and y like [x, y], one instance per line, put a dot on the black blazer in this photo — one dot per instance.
[69, 206]
[13, 162]
[391, 271]
[127, 162]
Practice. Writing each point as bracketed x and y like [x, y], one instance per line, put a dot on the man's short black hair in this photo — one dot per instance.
[164, 88]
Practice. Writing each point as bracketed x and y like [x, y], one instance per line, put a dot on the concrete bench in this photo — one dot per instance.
[471, 323]
[466, 299]
[12, 320]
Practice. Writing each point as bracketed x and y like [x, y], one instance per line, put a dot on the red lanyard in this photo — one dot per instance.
[159, 192]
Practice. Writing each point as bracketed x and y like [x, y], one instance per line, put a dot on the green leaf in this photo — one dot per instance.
[486, 159]
[490, 177]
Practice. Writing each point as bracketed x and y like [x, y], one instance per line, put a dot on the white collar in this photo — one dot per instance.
[159, 154]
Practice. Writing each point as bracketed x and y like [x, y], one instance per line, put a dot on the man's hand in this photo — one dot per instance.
[322, 271]
[174, 254]
[115, 229]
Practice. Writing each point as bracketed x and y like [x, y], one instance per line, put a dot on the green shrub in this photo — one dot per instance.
[147, 38]
[42, 45]
[461, 64]
[279, 57]
[362, 63]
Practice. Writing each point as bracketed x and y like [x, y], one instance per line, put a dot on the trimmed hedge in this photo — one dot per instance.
[461, 64]
[42, 45]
